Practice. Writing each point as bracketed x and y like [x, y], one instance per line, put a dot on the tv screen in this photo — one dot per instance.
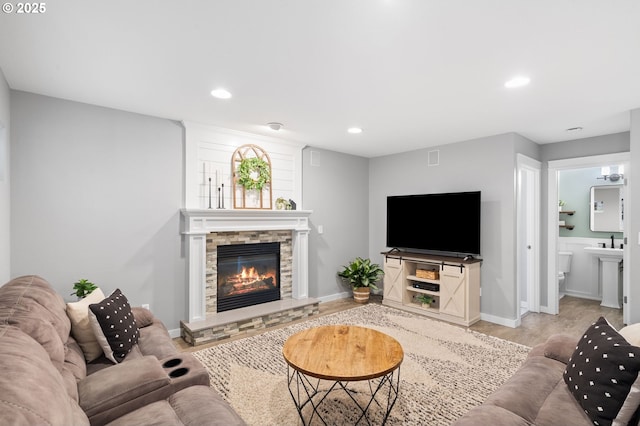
[446, 223]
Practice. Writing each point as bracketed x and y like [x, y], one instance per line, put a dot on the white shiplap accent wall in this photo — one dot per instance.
[208, 154]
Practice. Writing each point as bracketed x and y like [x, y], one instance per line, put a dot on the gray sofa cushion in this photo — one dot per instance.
[561, 407]
[535, 395]
[30, 304]
[193, 406]
[122, 388]
[32, 390]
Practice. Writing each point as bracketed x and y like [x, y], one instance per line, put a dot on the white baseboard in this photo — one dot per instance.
[580, 295]
[546, 310]
[513, 323]
[336, 296]
[174, 333]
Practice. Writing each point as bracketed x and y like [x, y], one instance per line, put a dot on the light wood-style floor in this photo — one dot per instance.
[576, 315]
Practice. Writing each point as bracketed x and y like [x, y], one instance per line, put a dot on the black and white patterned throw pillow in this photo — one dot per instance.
[114, 326]
[602, 375]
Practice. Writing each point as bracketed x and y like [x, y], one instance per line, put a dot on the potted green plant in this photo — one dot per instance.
[83, 287]
[426, 300]
[362, 276]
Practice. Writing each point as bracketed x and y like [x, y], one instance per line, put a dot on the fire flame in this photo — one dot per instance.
[250, 273]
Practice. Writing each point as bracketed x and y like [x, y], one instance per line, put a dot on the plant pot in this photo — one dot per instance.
[361, 294]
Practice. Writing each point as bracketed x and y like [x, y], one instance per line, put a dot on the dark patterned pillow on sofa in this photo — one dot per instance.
[114, 325]
[602, 375]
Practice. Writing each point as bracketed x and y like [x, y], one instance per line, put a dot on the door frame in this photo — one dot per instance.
[554, 167]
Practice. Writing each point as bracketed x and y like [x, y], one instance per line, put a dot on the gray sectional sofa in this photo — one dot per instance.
[46, 380]
[564, 382]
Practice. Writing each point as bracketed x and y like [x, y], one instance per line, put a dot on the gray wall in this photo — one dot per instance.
[5, 202]
[96, 194]
[336, 187]
[487, 165]
[586, 147]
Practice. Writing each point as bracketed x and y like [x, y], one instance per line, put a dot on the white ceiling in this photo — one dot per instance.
[411, 73]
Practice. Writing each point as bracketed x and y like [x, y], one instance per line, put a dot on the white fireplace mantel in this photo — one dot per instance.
[199, 222]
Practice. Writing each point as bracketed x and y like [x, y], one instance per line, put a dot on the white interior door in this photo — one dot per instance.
[528, 237]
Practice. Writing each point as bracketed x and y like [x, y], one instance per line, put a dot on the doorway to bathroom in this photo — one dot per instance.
[571, 236]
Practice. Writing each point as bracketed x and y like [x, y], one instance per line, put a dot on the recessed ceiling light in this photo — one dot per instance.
[354, 130]
[574, 129]
[220, 93]
[275, 126]
[517, 82]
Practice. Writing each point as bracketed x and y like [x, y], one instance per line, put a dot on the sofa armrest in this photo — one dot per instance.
[122, 388]
[560, 347]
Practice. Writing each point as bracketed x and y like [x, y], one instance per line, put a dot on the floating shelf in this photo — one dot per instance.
[569, 212]
[566, 226]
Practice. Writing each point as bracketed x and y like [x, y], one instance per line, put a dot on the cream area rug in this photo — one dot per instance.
[446, 370]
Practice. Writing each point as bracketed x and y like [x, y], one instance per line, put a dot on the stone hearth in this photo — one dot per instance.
[239, 321]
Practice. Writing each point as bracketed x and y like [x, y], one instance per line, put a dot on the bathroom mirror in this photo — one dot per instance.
[607, 208]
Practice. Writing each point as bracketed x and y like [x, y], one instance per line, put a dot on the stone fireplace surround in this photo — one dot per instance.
[206, 225]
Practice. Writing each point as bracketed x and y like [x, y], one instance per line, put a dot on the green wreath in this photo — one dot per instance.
[253, 165]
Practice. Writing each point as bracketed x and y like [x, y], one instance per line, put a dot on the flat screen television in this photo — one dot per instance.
[447, 223]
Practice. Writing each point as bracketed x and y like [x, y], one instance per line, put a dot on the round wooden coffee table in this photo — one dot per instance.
[341, 355]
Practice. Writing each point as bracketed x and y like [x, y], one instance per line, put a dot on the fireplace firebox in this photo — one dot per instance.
[248, 274]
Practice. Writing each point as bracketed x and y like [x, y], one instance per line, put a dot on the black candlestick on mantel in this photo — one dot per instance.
[218, 197]
[222, 196]
[209, 192]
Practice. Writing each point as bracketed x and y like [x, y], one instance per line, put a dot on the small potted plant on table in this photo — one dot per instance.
[83, 287]
[362, 276]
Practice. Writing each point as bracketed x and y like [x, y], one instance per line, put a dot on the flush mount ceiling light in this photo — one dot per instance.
[517, 82]
[220, 93]
[275, 126]
[354, 130]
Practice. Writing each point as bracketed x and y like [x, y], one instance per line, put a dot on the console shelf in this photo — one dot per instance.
[424, 280]
[419, 290]
[457, 298]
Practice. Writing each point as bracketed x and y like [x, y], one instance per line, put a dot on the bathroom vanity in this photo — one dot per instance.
[610, 262]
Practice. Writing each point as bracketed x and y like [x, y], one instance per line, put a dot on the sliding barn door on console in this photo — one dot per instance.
[453, 291]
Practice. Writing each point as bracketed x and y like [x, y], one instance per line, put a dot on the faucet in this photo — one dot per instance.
[612, 246]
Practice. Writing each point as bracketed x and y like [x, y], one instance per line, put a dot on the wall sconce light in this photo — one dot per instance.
[613, 177]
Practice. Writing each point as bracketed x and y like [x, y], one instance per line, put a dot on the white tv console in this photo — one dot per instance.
[456, 290]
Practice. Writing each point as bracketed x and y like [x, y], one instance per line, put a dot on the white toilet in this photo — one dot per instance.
[564, 267]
